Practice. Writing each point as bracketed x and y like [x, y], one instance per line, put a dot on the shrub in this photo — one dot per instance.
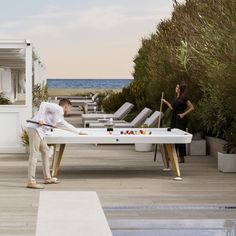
[40, 94]
[113, 102]
[214, 113]
[198, 45]
[24, 138]
[4, 100]
[101, 96]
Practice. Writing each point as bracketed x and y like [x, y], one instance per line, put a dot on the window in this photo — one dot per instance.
[12, 76]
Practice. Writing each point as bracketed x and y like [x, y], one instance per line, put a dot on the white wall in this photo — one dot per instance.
[11, 118]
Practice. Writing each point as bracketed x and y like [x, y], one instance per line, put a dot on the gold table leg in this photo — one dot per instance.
[171, 152]
[58, 161]
[165, 157]
[54, 154]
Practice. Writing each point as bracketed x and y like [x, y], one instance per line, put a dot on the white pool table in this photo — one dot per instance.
[168, 139]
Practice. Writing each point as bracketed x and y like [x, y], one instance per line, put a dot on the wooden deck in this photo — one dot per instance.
[129, 184]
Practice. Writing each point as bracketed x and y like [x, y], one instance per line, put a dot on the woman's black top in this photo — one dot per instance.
[179, 106]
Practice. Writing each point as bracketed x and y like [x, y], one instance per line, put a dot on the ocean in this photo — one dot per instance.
[89, 83]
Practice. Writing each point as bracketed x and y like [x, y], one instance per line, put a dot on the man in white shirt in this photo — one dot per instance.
[52, 114]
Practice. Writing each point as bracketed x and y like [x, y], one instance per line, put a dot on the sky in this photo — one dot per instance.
[84, 39]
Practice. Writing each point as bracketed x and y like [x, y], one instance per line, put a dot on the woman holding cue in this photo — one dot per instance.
[180, 108]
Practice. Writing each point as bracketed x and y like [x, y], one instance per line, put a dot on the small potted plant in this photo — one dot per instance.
[4, 100]
[25, 140]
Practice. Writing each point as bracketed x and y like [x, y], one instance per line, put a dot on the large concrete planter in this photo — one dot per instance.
[214, 145]
[197, 148]
[226, 162]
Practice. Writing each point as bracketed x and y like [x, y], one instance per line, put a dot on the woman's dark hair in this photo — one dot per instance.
[64, 101]
[182, 88]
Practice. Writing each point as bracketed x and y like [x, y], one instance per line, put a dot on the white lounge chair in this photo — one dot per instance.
[90, 98]
[136, 122]
[86, 104]
[152, 120]
[118, 115]
[92, 106]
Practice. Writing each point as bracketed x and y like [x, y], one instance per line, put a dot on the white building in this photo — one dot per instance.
[20, 69]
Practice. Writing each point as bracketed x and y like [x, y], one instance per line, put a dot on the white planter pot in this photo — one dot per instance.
[226, 162]
[143, 147]
[197, 147]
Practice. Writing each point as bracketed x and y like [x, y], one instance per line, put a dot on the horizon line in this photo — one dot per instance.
[128, 78]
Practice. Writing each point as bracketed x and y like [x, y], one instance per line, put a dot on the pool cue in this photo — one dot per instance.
[37, 123]
[159, 124]
[159, 120]
[51, 126]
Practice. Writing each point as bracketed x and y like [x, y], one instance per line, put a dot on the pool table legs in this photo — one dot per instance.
[54, 155]
[170, 151]
[165, 158]
[168, 154]
[57, 160]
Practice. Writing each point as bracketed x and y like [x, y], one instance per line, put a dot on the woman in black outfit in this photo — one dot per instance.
[180, 107]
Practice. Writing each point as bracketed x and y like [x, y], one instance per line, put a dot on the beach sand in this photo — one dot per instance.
[75, 92]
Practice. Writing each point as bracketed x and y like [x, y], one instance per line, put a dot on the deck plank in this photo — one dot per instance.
[121, 177]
